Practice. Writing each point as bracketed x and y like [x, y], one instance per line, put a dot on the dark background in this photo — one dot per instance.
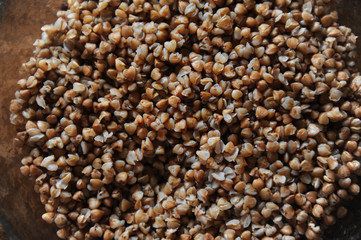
[20, 208]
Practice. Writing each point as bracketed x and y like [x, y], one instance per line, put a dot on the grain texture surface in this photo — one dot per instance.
[20, 208]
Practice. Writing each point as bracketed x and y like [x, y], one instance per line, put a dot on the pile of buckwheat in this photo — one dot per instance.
[174, 119]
